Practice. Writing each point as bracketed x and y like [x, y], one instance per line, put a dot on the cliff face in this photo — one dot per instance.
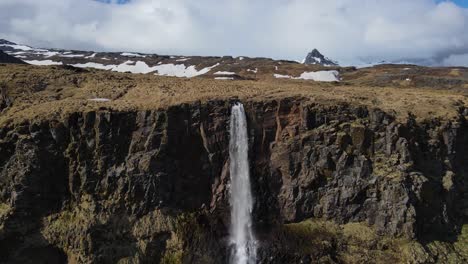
[331, 184]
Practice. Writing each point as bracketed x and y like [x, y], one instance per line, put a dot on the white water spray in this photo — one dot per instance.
[241, 235]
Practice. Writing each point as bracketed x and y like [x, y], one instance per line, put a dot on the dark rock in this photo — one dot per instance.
[6, 42]
[5, 58]
[315, 57]
[152, 186]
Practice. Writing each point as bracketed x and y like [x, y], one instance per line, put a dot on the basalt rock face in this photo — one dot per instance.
[152, 186]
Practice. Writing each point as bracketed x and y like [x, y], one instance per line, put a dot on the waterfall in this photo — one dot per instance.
[241, 235]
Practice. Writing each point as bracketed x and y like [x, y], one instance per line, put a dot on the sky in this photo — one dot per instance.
[350, 31]
[462, 3]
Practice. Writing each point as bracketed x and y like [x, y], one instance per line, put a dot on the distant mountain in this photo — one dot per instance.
[6, 42]
[219, 68]
[315, 57]
[5, 58]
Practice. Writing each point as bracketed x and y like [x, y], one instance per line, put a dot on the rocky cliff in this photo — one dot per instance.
[332, 184]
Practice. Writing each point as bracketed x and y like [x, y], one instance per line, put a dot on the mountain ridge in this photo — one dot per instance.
[220, 68]
[315, 57]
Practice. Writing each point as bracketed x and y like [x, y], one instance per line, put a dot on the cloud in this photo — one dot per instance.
[346, 30]
[456, 60]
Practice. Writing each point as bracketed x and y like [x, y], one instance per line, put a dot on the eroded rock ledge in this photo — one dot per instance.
[334, 184]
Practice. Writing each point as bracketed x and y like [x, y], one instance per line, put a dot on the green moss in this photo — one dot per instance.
[308, 237]
[153, 223]
[63, 222]
[447, 180]
[349, 243]
[364, 245]
[174, 250]
[359, 233]
[311, 227]
[461, 246]
[384, 165]
[186, 229]
[4, 209]
[172, 258]
[443, 252]
[360, 243]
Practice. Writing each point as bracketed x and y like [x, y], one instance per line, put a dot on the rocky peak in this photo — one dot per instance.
[6, 42]
[315, 57]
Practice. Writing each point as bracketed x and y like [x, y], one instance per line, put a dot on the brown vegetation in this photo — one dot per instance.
[51, 92]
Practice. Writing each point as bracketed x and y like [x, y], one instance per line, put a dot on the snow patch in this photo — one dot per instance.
[254, 71]
[18, 47]
[43, 62]
[94, 65]
[91, 56]
[71, 55]
[99, 99]
[128, 66]
[138, 67]
[321, 76]
[224, 73]
[176, 70]
[129, 54]
[280, 76]
[183, 59]
[181, 70]
[318, 76]
[49, 54]
[224, 78]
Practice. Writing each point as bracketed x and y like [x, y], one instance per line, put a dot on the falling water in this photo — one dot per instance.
[241, 235]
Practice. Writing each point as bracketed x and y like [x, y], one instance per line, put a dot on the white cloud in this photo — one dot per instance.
[346, 30]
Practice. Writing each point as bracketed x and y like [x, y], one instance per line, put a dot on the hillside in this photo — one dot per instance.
[56, 90]
[98, 166]
[5, 58]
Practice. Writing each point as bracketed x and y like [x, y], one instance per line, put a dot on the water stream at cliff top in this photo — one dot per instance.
[241, 235]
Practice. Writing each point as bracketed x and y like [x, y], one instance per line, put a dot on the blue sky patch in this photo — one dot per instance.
[462, 3]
